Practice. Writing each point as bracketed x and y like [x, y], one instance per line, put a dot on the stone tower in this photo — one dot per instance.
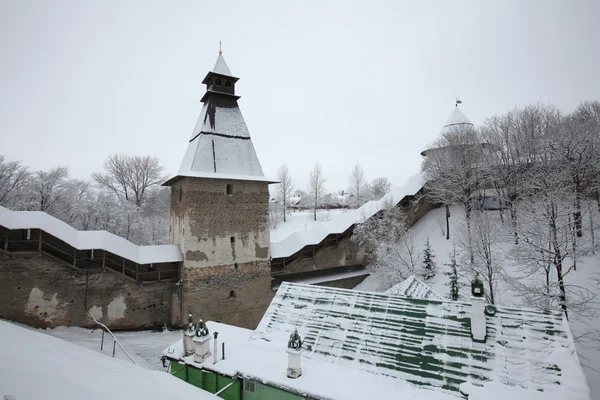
[220, 213]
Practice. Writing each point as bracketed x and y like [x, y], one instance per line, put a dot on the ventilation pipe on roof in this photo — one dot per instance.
[294, 351]
[215, 334]
[478, 328]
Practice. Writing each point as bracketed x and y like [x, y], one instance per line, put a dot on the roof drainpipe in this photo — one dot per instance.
[478, 324]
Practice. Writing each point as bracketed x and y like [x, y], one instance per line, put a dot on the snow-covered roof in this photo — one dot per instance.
[88, 240]
[38, 366]
[220, 143]
[457, 119]
[221, 66]
[414, 287]
[296, 241]
[221, 146]
[366, 345]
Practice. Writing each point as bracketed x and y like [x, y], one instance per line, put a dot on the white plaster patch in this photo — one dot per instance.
[96, 312]
[116, 309]
[46, 309]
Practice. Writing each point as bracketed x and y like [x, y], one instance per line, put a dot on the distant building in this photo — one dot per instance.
[325, 343]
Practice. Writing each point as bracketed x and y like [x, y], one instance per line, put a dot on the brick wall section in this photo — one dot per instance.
[42, 292]
[346, 252]
[237, 296]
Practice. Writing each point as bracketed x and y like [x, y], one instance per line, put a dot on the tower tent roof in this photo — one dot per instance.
[457, 119]
[220, 146]
[221, 66]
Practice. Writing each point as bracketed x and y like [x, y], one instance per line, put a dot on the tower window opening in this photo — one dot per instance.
[218, 82]
[232, 239]
[227, 83]
[229, 188]
[180, 192]
[231, 294]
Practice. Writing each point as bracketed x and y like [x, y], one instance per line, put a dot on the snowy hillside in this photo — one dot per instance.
[430, 226]
[37, 366]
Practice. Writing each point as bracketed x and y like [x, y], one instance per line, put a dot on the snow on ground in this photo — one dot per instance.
[430, 226]
[143, 346]
[37, 366]
[299, 221]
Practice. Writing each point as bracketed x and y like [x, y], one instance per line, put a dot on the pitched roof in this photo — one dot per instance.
[221, 66]
[414, 287]
[38, 366]
[426, 342]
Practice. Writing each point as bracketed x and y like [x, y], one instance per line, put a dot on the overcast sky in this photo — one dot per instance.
[341, 82]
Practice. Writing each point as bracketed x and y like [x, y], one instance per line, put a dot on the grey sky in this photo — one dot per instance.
[339, 82]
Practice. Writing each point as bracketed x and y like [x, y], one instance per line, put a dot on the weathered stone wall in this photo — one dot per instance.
[39, 291]
[344, 253]
[237, 296]
[224, 238]
[216, 228]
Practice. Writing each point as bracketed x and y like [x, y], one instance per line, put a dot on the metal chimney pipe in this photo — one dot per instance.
[216, 347]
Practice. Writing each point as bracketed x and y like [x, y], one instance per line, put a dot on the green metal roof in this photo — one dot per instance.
[424, 341]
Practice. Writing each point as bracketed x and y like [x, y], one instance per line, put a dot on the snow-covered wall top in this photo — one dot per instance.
[296, 241]
[88, 240]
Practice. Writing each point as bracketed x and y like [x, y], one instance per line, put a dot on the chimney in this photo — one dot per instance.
[294, 351]
[215, 334]
[201, 343]
[188, 334]
[478, 328]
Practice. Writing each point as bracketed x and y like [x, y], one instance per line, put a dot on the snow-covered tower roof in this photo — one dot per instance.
[220, 146]
[457, 119]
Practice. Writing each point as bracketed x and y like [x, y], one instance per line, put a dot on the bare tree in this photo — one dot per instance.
[388, 250]
[48, 188]
[356, 184]
[13, 179]
[380, 187]
[130, 176]
[284, 189]
[316, 188]
[453, 170]
[485, 241]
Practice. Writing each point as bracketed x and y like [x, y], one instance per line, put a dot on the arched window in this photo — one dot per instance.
[231, 294]
[218, 82]
[227, 83]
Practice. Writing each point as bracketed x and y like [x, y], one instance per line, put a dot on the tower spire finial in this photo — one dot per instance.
[457, 101]
[220, 50]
